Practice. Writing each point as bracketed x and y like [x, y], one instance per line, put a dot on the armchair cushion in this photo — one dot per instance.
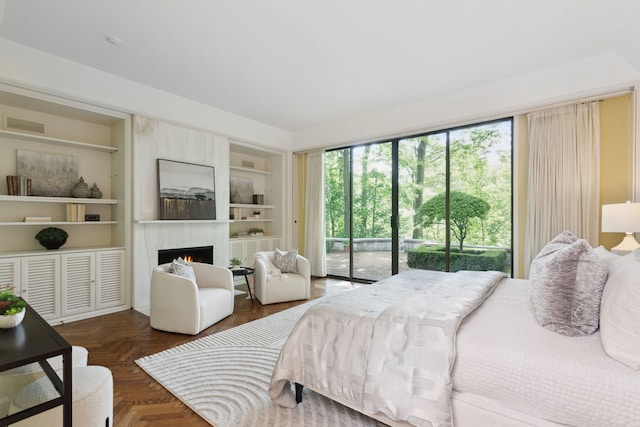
[286, 261]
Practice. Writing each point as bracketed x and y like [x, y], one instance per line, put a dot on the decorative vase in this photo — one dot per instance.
[12, 320]
[95, 192]
[80, 189]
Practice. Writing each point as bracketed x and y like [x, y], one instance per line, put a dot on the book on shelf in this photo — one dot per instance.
[18, 185]
[37, 219]
[75, 212]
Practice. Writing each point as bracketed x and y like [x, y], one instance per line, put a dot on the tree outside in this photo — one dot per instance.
[463, 208]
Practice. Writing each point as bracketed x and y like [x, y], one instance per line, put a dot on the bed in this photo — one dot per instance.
[505, 368]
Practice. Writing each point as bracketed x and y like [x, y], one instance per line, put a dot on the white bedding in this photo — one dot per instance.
[505, 357]
[386, 349]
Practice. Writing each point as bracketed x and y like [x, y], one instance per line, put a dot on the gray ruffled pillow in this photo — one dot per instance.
[182, 268]
[286, 261]
[567, 278]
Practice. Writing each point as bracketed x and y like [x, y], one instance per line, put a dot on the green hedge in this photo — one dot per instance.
[433, 258]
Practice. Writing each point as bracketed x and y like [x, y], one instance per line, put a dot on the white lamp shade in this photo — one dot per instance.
[621, 217]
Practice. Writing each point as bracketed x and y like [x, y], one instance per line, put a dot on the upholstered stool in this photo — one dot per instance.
[92, 399]
[13, 380]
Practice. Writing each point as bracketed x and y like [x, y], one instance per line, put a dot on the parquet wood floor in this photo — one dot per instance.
[117, 340]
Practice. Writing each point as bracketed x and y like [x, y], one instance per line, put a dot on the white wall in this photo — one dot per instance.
[35, 69]
[587, 77]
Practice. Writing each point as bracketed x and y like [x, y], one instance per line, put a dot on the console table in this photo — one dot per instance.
[34, 340]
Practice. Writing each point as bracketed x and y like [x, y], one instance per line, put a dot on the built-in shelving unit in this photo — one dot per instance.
[265, 169]
[93, 266]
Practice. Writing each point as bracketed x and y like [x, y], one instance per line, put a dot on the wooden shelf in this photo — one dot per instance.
[249, 206]
[40, 199]
[251, 220]
[253, 237]
[249, 170]
[57, 141]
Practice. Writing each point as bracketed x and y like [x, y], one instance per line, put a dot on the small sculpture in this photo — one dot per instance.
[80, 189]
[95, 192]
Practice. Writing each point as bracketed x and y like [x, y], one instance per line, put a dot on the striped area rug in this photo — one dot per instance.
[224, 378]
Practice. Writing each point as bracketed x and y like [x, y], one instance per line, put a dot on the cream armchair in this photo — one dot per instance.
[272, 286]
[180, 304]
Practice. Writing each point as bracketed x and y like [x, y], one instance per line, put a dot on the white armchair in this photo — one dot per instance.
[272, 286]
[182, 305]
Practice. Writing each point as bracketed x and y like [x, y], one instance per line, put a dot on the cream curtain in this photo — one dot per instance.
[564, 170]
[314, 247]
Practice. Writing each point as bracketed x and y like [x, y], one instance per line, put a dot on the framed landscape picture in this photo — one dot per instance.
[187, 190]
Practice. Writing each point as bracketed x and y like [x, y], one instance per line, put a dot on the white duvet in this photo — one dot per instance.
[387, 349]
[509, 360]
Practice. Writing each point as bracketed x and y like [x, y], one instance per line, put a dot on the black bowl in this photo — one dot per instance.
[52, 244]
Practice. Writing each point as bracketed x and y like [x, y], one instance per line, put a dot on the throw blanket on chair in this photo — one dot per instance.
[386, 349]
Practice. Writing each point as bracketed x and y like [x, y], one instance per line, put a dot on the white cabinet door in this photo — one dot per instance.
[275, 243]
[78, 282]
[265, 245]
[251, 247]
[110, 278]
[40, 281]
[236, 249]
[10, 273]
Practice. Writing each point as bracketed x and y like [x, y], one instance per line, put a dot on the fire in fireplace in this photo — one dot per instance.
[202, 254]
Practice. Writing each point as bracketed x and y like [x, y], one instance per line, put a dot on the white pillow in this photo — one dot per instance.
[631, 257]
[620, 313]
[606, 256]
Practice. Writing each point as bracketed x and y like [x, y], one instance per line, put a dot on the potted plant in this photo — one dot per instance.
[256, 231]
[12, 308]
[52, 237]
[235, 263]
[256, 214]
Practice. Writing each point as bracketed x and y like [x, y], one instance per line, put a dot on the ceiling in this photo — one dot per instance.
[298, 64]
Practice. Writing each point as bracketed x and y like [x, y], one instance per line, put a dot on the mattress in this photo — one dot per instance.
[506, 358]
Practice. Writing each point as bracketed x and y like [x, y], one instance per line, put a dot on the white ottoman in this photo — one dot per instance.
[92, 399]
[13, 380]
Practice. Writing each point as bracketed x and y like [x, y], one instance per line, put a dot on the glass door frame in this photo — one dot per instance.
[394, 219]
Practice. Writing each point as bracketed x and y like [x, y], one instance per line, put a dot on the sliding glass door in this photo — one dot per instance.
[422, 173]
[439, 201]
[371, 211]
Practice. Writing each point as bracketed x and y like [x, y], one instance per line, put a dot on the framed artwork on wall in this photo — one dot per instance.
[52, 175]
[186, 190]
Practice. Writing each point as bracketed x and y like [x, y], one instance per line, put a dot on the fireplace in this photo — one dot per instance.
[202, 254]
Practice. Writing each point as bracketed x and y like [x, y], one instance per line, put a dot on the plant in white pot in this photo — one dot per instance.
[12, 308]
[235, 263]
[256, 231]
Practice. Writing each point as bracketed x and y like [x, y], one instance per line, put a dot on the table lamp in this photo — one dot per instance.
[622, 218]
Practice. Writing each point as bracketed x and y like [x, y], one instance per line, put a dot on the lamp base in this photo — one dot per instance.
[628, 244]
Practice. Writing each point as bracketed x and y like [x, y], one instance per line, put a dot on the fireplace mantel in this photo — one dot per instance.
[183, 221]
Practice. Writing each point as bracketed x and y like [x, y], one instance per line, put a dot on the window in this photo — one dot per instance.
[441, 201]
